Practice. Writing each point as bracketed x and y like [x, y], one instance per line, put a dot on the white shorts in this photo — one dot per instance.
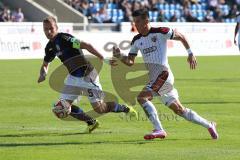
[168, 98]
[89, 86]
[167, 93]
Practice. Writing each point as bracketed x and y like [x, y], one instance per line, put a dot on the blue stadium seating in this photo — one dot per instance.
[197, 10]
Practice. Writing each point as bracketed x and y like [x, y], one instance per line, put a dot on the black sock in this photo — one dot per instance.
[78, 113]
[121, 108]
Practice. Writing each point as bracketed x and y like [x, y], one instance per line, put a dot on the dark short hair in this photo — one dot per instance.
[141, 12]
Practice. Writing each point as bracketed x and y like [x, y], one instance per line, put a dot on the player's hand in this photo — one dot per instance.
[41, 78]
[116, 52]
[192, 61]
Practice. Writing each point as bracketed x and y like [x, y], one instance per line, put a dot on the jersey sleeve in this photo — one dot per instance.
[49, 54]
[134, 49]
[71, 41]
[166, 32]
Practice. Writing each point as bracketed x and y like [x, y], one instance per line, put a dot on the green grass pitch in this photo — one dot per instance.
[29, 131]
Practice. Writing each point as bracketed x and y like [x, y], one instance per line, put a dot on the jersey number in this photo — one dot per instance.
[90, 93]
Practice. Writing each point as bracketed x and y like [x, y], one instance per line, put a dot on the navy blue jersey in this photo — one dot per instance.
[67, 49]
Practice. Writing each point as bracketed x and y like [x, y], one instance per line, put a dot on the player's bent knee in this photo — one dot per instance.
[179, 112]
[100, 108]
[177, 109]
[144, 96]
[142, 100]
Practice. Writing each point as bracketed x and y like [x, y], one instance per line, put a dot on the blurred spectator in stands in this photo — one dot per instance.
[188, 10]
[5, 15]
[127, 10]
[92, 10]
[186, 4]
[69, 2]
[103, 1]
[161, 1]
[136, 6]
[153, 5]
[174, 17]
[209, 17]
[145, 4]
[221, 2]
[161, 16]
[189, 17]
[74, 3]
[233, 11]
[169, 1]
[83, 7]
[102, 16]
[18, 16]
[212, 4]
[194, 1]
[218, 15]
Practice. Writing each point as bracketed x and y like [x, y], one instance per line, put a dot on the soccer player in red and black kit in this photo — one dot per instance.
[152, 43]
[82, 74]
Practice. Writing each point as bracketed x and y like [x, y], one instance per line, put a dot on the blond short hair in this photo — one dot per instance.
[50, 19]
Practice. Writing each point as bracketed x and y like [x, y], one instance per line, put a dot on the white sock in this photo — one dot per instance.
[152, 114]
[192, 116]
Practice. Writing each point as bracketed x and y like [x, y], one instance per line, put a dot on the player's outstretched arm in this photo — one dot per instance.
[95, 52]
[43, 72]
[90, 49]
[128, 60]
[235, 33]
[191, 58]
